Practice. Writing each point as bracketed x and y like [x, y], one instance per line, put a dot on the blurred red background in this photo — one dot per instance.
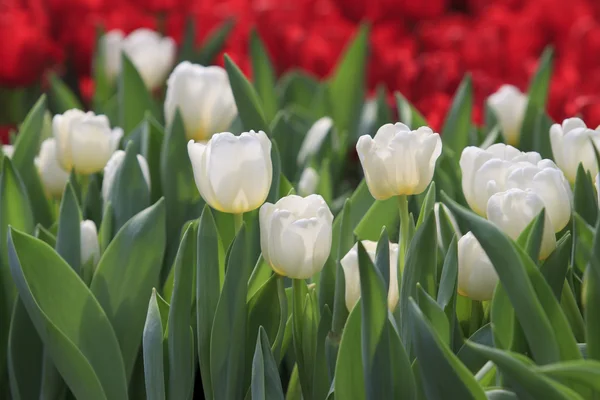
[421, 48]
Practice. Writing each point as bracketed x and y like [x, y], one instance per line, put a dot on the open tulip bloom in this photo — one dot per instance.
[234, 247]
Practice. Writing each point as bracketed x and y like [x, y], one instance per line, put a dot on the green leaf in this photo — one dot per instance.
[181, 344]
[187, 49]
[408, 113]
[585, 201]
[263, 75]
[537, 96]
[427, 205]
[105, 234]
[583, 239]
[582, 372]
[75, 331]
[273, 195]
[227, 346]
[266, 384]
[92, 204]
[500, 394]
[126, 274]
[45, 235]
[434, 314]
[472, 360]
[321, 376]
[345, 242]
[384, 113]
[541, 138]
[530, 239]
[152, 141]
[450, 378]
[246, 98]
[381, 213]
[68, 238]
[554, 269]
[153, 338]
[288, 136]
[61, 96]
[349, 382]
[103, 89]
[214, 43]
[455, 133]
[134, 98]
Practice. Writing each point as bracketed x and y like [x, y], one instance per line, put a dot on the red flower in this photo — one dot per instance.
[434, 108]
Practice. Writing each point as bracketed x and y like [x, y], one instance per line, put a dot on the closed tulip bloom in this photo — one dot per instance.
[477, 277]
[8, 150]
[233, 173]
[84, 141]
[514, 209]
[113, 165]
[572, 144]
[314, 139]
[204, 98]
[90, 247]
[152, 54]
[352, 274]
[509, 105]
[398, 161]
[53, 177]
[484, 172]
[309, 180]
[295, 235]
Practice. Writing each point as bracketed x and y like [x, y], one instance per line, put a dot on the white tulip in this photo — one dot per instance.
[84, 140]
[152, 54]
[514, 209]
[295, 235]
[398, 161]
[90, 247]
[309, 180]
[314, 139]
[477, 277]
[484, 172]
[550, 184]
[509, 104]
[352, 275]
[438, 223]
[113, 165]
[572, 144]
[53, 177]
[204, 98]
[8, 150]
[233, 173]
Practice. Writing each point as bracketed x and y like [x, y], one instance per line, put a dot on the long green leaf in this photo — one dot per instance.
[68, 239]
[153, 351]
[263, 75]
[266, 384]
[349, 380]
[61, 97]
[584, 197]
[582, 372]
[455, 133]
[214, 43]
[134, 98]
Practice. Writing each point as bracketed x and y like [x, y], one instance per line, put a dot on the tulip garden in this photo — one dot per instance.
[196, 232]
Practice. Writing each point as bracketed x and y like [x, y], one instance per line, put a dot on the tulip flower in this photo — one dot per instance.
[309, 180]
[113, 165]
[398, 161]
[352, 275]
[295, 235]
[484, 172]
[90, 247]
[572, 144]
[509, 104]
[477, 277]
[204, 99]
[8, 150]
[514, 209]
[233, 173]
[151, 54]
[53, 177]
[84, 141]
[314, 139]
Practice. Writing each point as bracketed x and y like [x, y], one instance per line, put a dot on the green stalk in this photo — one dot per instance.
[238, 220]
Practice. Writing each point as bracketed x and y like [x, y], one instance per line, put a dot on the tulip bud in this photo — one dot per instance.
[295, 235]
[8, 150]
[84, 140]
[113, 165]
[204, 98]
[314, 139]
[53, 177]
[233, 173]
[509, 105]
[309, 180]
[438, 223]
[398, 161]
[477, 277]
[484, 172]
[514, 209]
[571, 145]
[352, 275]
[90, 248]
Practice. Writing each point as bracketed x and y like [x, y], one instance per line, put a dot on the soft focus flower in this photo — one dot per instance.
[352, 275]
[309, 180]
[509, 105]
[398, 161]
[152, 54]
[438, 223]
[53, 177]
[514, 209]
[84, 140]
[204, 98]
[484, 172]
[477, 277]
[8, 150]
[90, 247]
[233, 173]
[295, 235]
[314, 139]
[572, 144]
[113, 165]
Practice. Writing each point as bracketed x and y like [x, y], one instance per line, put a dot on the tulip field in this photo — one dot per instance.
[194, 232]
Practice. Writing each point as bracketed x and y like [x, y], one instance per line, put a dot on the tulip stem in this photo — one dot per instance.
[238, 220]
[404, 232]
